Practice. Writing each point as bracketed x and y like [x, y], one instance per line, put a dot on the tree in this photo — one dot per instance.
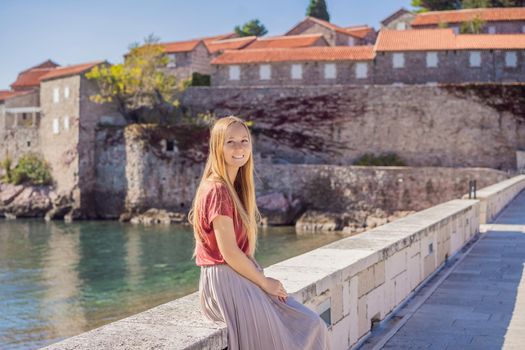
[475, 26]
[436, 5]
[317, 9]
[139, 83]
[468, 4]
[251, 28]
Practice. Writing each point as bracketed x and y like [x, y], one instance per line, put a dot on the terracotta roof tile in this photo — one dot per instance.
[331, 53]
[30, 78]
[180, 46]
[458, 16]
[325, 24]
[444, 39]
[490, 41]
[5, 94]
[69, 70]
[229, 44]
[359, 31]
[190, 45]
[290, 41]
[415, 40]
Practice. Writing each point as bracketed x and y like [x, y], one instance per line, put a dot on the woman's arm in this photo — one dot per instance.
[226, 240]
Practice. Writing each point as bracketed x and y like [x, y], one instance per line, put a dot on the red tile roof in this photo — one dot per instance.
[228, 44]
[290, 41]
[457, 16]
[444, 39]
[330, 26]
[30, 78]
[190, 45]
[359, 31]
[5, 94]
[331, 53]
[415, 40]
[180, 46]
[490, 41]
[69, 70]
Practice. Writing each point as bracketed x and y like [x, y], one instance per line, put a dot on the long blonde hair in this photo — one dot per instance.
[242, 191]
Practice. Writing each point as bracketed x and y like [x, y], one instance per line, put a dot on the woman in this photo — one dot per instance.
[233, 288]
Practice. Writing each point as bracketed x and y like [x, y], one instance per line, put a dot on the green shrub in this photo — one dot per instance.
[6, 165]
[386, 159]
[31, 169]
[198, 79]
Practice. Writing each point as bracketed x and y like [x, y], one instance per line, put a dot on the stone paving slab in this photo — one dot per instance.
[481, 303]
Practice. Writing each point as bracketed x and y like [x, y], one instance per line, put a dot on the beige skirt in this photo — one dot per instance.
[256, 320]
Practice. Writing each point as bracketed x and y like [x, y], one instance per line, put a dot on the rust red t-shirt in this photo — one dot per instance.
[216, 201]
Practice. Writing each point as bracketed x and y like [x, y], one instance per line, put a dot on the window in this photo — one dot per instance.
[398, 60]
[56, 95]
[66, 92]
[265, 72]
[172, 60]
[170, 145]
[401, 26]
[475, 58]
[55, 126]
[361, 70]
[351, 41]
[511, 59]
[66, 123]
[432, 59]
[330, 71]
[297, 71]
[235, 73]
[492, 30]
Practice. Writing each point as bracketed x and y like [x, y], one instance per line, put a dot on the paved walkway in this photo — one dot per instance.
[479, 305]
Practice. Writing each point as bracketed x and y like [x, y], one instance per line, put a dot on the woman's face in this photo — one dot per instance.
[237, 145]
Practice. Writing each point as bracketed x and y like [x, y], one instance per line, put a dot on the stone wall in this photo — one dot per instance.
[281, 74]
[135, 172]
[310, 27]
[450, 126]
[197, 60]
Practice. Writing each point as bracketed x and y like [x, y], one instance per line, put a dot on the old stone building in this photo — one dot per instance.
[29, 79]
[496, 20]
[439, 56]
[425, 56]
[335, 35]
[301, 66]
[67, 132]
[190, 56]
[399, 20]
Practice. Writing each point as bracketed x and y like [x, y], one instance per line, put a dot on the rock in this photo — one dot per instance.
[372, 221]
[58, 212]
[30, 202]
[8, 192]
[318, 221]
[276, 209]
[157, 216]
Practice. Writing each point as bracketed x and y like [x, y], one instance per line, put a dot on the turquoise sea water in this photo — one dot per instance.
[58, 280]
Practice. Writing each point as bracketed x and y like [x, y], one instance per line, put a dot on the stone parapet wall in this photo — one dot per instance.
[495, 197]
[351, 283]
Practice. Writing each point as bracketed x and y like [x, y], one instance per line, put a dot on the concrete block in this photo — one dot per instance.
[366, 281]
[379, 273]
[395, 264]
[337, 303]
[414, 271]
[353, 313]
[340, 335]
[363, 324]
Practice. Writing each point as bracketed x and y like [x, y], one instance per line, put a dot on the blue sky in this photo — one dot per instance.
[77, 31]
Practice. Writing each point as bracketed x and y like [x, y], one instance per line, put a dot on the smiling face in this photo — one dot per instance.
[237, 146]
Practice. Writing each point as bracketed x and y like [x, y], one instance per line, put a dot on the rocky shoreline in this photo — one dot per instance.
[22, 201]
